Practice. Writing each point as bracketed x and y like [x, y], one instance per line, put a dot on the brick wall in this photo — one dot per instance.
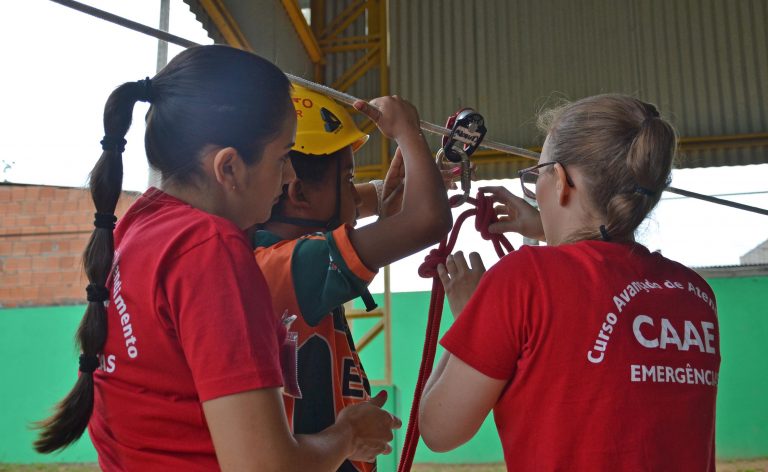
[43, 232]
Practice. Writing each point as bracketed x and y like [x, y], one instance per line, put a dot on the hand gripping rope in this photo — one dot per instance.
[484, 216]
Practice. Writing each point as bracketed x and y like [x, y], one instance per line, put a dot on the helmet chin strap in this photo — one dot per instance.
[329, 225]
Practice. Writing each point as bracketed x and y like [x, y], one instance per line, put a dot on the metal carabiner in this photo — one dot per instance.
[466, 172]
[467, 132]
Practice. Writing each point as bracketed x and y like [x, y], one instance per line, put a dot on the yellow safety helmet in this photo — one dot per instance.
[324, 126]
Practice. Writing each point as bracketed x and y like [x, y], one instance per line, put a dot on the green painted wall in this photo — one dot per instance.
[742, 396]
[39, 366]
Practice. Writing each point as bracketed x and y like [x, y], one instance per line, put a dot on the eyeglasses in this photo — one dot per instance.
[530, 175]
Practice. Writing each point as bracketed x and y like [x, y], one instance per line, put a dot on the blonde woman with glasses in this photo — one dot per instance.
[593, 352]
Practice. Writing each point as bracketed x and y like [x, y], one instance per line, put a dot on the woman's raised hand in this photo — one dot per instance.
[395, 117]
[514, 214]
[460, 279]
[371, 428]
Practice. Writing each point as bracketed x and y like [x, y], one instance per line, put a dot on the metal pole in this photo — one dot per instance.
[162, 45]
[162, 59]
[387, 316]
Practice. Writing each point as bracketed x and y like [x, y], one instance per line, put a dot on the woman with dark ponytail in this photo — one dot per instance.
[179, 365]
[594, 353]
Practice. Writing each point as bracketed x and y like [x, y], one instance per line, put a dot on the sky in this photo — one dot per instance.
[60, 66]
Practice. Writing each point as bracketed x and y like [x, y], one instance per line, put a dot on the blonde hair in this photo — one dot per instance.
[624, 150]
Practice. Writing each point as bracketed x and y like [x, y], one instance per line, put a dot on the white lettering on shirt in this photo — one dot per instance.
[667, 336]
[667, 374]
[125, 317]
[656, 333]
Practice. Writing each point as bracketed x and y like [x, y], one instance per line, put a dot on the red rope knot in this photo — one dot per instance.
[428, 269]
[485, 216]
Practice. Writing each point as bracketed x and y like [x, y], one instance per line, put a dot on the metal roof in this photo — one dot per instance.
[744, 270]
[705, 64]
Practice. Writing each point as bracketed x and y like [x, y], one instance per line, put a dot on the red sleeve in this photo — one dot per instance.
[224, 318]
[490, 333]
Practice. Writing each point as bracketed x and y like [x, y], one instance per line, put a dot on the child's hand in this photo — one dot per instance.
[514, 214]
[395, 117]
[459, 279]
[394, 183]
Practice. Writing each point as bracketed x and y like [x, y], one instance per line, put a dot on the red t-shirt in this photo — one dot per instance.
[611, 353]
[190, 319]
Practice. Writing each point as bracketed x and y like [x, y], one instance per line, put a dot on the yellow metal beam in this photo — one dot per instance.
[727, 138]
[369, 336]
[344, 19]
[368, 173]
[349, 39]
[362, 314]
[356, 70]
[225, 23]
[349, 47]
[306, 36]
[387, 319]
[377, 25]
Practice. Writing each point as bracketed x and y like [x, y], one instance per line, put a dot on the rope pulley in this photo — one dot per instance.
[467, 130]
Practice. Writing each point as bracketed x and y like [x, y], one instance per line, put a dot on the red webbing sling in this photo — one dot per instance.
[484, 216]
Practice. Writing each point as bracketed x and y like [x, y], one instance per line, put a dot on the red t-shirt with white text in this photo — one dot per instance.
[189, 320]
[611, 353]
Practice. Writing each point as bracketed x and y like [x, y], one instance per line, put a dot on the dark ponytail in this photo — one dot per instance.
[624, 151]
[72, 414]
[206, 96]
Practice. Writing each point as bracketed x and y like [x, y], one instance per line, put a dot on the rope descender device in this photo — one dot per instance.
[467, 132]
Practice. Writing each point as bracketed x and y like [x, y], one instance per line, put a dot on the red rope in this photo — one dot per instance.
[484, 216]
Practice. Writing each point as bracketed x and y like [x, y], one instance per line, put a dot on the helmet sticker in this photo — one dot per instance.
[332, 123]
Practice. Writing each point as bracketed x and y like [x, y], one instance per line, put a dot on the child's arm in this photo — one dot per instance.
[425, 216]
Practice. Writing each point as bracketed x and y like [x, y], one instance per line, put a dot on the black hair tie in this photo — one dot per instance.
[113, 143]
[97, 293]
[644, 191]
[89, 363]
[145, 95]
[104, 220]
[604, 233]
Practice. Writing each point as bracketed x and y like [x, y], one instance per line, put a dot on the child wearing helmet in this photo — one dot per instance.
[315, 260]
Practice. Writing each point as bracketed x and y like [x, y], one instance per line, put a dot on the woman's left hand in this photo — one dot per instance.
[459, 279]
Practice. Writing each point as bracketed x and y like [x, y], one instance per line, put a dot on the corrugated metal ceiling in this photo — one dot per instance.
[704, 62]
